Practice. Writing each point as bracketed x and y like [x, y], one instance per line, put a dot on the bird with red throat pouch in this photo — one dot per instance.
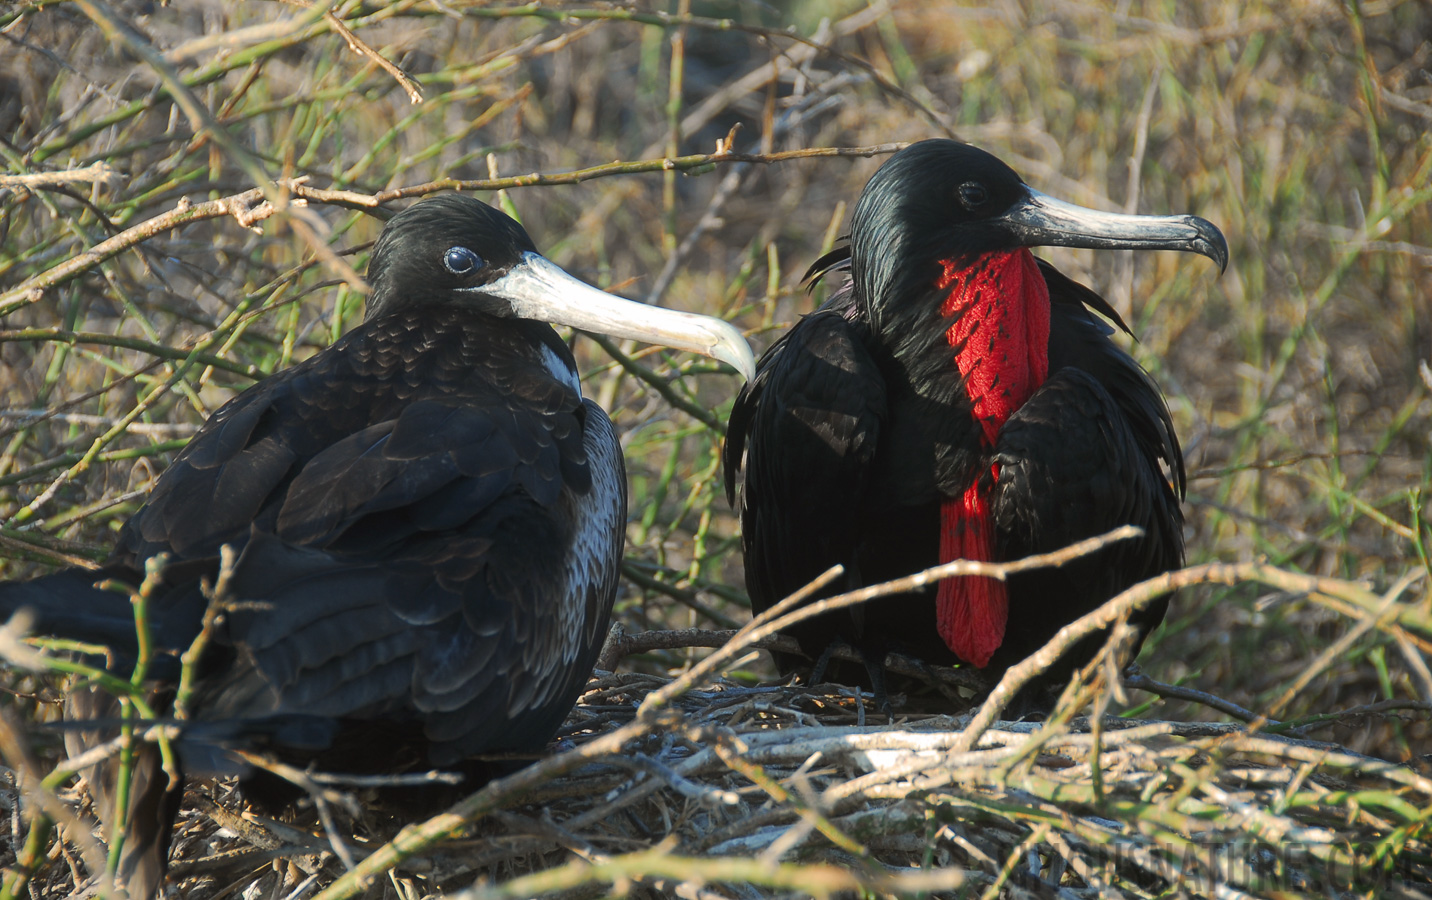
[959, 398]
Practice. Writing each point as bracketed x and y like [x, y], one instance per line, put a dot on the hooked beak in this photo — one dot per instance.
[538, 288]
[1042, 221]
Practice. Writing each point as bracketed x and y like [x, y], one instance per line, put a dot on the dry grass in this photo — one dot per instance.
[1299, 382]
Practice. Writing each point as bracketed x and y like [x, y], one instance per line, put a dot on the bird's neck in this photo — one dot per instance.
[999, 304]
[999, 333]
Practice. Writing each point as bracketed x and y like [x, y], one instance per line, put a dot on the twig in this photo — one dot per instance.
[409, 779]
[693, 162]
[1308, 723]
[780, 616]
[1141, 682]
[728, 187]
[39, 792]
[32, 289]
[97, 173]
[633, 571]
[687, 788]
[792, 59]
[29, 417]
[26, 547]
[1382, 618]
[623, 645]
[233, 38]
[323, 800]
[120, 31]
[1017, 676]
[417, 838]
[356, 44]
[249, 207]
[71, 338]
[821, 880]
[276, 840]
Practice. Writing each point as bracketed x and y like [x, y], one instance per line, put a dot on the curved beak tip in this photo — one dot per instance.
[1212, 243]
[746, 365]
[732, 349]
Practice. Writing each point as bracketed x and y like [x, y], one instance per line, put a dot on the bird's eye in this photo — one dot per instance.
[973, 194]
[461, 261]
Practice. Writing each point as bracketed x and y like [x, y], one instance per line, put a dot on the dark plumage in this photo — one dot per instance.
[429, 521]
[958, 399]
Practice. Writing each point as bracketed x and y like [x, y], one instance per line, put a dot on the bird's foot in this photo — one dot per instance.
[1032, 703]
[822, 662]
[875, 670]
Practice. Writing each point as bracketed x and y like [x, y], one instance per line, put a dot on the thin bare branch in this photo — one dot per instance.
[96, 173]
[358, 46]
[1141, 682]
[249, 207]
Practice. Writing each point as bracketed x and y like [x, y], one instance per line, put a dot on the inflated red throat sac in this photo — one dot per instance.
[1000, 337]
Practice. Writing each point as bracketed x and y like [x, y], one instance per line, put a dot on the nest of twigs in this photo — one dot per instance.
[759, 791]
[697, 785]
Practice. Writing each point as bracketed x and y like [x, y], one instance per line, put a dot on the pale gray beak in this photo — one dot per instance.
[538, 288]
[1042, 221]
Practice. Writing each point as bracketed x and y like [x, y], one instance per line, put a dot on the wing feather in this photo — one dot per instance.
[805, 433]
[405, 547]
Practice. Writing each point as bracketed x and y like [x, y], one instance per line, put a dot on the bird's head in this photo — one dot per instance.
[942, 200]
[456, 249]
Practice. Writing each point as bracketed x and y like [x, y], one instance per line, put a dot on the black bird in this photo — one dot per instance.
[959, 398]
[429, 521]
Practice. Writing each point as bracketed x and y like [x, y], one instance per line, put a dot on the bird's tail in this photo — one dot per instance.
[70, 604]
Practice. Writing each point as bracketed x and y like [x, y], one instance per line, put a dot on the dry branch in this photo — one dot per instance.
[96, 173]
[657, 705]
[895, 795]
[249, 207]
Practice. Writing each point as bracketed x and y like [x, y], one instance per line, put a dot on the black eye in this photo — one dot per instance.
[973, 194]
[461, 261]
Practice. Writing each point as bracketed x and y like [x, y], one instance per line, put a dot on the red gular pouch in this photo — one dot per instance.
[1000, 337]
